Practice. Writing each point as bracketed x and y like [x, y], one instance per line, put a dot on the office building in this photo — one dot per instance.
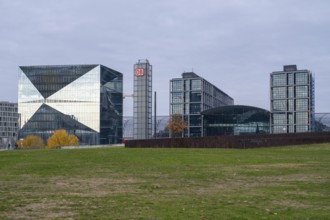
[8, 125]
[235, 120]
[291, 100]
[190, 95]
[85, 100]
[142, 103]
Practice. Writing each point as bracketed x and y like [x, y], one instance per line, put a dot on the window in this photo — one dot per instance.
[187, 85]
[279, 79]
[195, 132]
[177, 85]
[177, 109]
[195, 97]
[196, 84]
[302, 128]
[290, 118]
[279, 119]
[301, 91]
[290, 105]
[290, 92]
[195, 108]
[279, 129]
[290, 79]
[279, 105]
[279, 93]
[302, 105]
[301, 78]
[177, 97]
[302, 118]
[195, 120]
[187, 97]
[186, 109]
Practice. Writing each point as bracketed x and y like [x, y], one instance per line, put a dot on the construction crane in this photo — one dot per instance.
[128, 95]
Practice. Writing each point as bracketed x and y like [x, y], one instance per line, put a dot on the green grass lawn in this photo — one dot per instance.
[120, 183]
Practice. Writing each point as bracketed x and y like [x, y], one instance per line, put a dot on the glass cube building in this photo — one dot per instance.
[190, 95]
[85, 100]
[292, 100]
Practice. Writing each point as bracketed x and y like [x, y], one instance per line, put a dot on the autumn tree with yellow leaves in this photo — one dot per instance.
[62, 138]
[176, 125]
[31, 142]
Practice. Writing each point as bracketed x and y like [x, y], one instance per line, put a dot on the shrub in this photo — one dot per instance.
[31, 142]
[62, 138]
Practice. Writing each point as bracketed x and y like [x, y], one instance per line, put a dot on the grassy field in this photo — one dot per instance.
[119, 183]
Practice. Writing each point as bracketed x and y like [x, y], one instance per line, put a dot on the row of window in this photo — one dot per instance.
[192, 108]
[190, 97]
[141, 107]
[283, 79]
[223, 98]
[300, 118]
[9, 124]
[8, 119]
[179, 97]
[52, 79]
[290, 105]
[140, 98]
[290, 129]
[184, 85]
[290, 92]
[9, 128]
[8, 109]
[7, 134]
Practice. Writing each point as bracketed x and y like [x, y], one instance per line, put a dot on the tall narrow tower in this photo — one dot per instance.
[142, 114]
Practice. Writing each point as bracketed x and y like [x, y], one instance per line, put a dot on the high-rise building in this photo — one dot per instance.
[190, 95]
[85, 100]
[291, 100]
[8, 125]
[142, 113]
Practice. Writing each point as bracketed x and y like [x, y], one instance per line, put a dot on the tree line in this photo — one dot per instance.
[58, 139]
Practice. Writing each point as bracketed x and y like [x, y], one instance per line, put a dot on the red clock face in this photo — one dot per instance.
[139, 72]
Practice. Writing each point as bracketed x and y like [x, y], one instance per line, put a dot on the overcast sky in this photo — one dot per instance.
[234, 44]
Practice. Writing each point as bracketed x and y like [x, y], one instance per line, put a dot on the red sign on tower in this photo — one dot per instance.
[139, 72]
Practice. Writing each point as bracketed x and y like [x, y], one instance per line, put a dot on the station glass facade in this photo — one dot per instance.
[235, 120]
[161, 130]
[142, 112]
[292, 100]
[85, 100]
[190, 95]
[322, 122]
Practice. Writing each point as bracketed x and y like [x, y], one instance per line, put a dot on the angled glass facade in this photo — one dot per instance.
[142, 112]
[235, 120]
[292, 100]
[85, 100]
[190, 95]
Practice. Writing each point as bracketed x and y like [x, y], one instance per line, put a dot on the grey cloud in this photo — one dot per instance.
[233, 44]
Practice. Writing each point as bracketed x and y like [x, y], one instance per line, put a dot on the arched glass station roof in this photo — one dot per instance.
[235, 120]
